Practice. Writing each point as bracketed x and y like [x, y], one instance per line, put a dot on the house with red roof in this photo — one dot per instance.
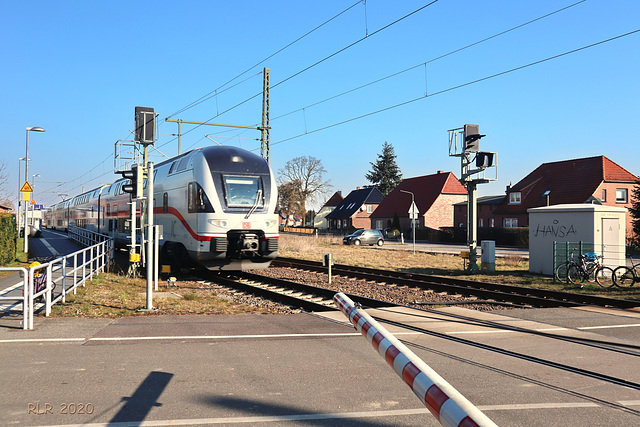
[334, 201]
[588, 180]
[434, 196]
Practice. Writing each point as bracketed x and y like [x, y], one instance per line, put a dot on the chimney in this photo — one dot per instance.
[357, 188]
[439, 172]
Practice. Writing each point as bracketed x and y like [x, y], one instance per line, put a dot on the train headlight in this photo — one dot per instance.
[269, 223]
[218, 222]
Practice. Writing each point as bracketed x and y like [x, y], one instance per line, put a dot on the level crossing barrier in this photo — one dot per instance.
[68, 272]
[450, 407]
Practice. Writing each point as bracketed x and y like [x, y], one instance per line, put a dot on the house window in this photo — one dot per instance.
[369, 208]
[514, 198]
[480, 222]
[604, 195]
[510, 222]
[621, 195]
[379, 224]
[492, 222]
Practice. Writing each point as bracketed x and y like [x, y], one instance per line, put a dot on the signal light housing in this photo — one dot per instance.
[134, 187]
[472, 138]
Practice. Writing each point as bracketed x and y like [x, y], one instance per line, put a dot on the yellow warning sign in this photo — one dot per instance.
[33, 202]
[27, 187]
[26, 195]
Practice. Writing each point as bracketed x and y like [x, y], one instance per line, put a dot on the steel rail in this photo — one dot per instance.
[499, 292]
[284, 287]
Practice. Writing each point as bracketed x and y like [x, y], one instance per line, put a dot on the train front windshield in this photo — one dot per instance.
[243, 191]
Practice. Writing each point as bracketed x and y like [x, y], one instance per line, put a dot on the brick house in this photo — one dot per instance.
[587, 180]
[5, 209]
[434, 195]
[486, 207]
[355, 209]
[320, 221]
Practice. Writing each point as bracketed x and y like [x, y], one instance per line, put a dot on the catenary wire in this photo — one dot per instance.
[458, 86]
[314, 64]
[208, 95]
[429, 61]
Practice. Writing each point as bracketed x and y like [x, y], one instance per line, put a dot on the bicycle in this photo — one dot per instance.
[625, 276]
[562, 269]
[589, 268]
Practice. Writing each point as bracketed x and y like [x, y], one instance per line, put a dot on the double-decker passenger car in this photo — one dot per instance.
[217, 206]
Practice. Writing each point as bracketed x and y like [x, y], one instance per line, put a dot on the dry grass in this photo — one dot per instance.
[111, 295]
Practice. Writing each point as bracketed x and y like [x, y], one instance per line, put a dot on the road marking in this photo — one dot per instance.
[504, 331]
[205, 337]
[49, 247]
[190, 337]
[630, 325]
[330, 416]
[42, 340]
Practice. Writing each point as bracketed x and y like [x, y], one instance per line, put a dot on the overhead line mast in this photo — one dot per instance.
[265, 129]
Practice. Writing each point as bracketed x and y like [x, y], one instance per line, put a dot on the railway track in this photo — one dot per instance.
[489, 292]
[313, 298]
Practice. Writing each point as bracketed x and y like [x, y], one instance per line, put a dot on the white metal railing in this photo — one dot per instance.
[68, 272]
[86, 237]
[16, 300]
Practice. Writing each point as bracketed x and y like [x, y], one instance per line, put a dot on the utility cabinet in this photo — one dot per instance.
[604, 226]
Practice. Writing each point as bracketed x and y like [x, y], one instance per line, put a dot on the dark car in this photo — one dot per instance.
[364, 237]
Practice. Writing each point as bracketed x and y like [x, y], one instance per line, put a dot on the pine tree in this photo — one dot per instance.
[385, 174]
[634, 211]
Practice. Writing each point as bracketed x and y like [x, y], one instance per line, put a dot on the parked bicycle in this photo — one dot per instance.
[589, 268]
[562, 269]
[626, 276]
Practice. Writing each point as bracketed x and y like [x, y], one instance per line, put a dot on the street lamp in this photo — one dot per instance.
[33, 198]
[413, 214]
[19, 205]
[26, 179]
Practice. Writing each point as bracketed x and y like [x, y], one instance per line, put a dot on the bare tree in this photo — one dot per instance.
[5, 195]
[289, 197]
[307, 173]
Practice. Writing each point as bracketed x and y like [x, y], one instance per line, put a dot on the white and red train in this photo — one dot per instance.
[217, 206]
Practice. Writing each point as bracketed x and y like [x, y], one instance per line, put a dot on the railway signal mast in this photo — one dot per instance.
[139, 172]
[464, 142]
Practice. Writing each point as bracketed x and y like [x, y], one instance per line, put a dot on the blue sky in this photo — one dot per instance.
[78, 69]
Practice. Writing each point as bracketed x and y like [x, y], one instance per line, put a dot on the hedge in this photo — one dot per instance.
[8, 238]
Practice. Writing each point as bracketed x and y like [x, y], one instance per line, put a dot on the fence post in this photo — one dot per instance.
[75, 272]
[30, 298]
[47, 299]
[25, 298]
[64, 278]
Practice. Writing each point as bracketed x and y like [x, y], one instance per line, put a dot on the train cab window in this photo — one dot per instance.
[165, 203]
[108, 209]
[183, 164]
[243, 191]
[197, 199]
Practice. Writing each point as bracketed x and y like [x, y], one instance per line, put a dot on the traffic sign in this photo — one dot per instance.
[33, 202]
[27, 187]
[413, 211]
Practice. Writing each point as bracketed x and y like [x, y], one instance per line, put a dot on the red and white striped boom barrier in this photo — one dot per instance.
[450, 407]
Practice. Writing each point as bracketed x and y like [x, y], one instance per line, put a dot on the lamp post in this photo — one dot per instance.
[19, 205]
[33, 198]
[412, 215]
[26, 179]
